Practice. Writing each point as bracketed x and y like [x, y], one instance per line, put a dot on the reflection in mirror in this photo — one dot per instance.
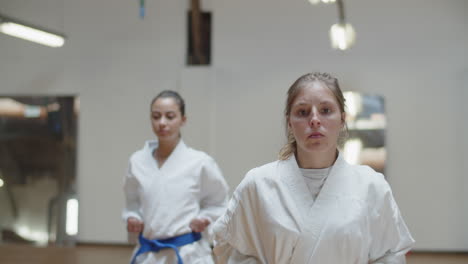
[365, 118]
[38, 169]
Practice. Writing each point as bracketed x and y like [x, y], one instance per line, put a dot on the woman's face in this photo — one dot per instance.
[316, 120]
[166, 119]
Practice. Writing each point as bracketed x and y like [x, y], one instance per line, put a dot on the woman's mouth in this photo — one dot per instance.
[316, 135]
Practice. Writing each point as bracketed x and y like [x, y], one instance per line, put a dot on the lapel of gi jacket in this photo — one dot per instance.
[315, 214]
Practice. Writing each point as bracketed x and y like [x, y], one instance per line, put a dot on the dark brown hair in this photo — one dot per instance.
[171, 94]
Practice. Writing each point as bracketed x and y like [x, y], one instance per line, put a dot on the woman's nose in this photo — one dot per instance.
[314, 120]
[163, 121]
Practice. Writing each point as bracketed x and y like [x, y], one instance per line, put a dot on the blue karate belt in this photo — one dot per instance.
[156, 245]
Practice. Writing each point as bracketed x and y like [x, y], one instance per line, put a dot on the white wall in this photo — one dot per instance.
[411, 52]
[464, 139]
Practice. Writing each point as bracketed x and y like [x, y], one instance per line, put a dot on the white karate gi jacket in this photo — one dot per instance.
[272, 218]
[189, 185]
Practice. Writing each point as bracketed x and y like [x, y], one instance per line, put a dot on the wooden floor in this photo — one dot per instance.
[90, 254]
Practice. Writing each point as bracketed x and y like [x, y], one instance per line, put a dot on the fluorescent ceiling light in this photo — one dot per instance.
[314, 2]
[33, 34]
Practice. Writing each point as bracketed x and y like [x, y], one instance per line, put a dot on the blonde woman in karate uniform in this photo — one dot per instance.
[311, 206]
[173, 192]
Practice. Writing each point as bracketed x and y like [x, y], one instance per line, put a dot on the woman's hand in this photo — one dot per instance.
[199, 224]
[134, 225]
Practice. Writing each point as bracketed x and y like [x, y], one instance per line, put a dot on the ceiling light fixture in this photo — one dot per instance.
[314, 2]
[32, 33]
[342, 34]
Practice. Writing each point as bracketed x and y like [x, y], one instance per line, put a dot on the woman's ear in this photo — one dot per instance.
[343, 118]
[184, 119]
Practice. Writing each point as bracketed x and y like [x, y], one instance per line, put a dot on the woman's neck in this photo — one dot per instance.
[317, 160]
[165, 148]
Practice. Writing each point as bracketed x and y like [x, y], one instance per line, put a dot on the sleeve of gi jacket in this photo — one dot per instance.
[213, 191]
[391, 239]
[236, 238]
[226, 254]
[132, 199]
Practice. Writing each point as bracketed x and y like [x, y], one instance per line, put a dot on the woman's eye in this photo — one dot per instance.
[326, 110]
[156, 117]
[170, 117]
[302, 112]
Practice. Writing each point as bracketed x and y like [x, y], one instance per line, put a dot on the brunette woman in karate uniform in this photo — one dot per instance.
[173, 192]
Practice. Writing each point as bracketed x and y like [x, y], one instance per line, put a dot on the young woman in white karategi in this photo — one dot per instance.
[311, 206]
[172, 191]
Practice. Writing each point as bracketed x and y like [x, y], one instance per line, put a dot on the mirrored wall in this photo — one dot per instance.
[38, 149]
[366, 123]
